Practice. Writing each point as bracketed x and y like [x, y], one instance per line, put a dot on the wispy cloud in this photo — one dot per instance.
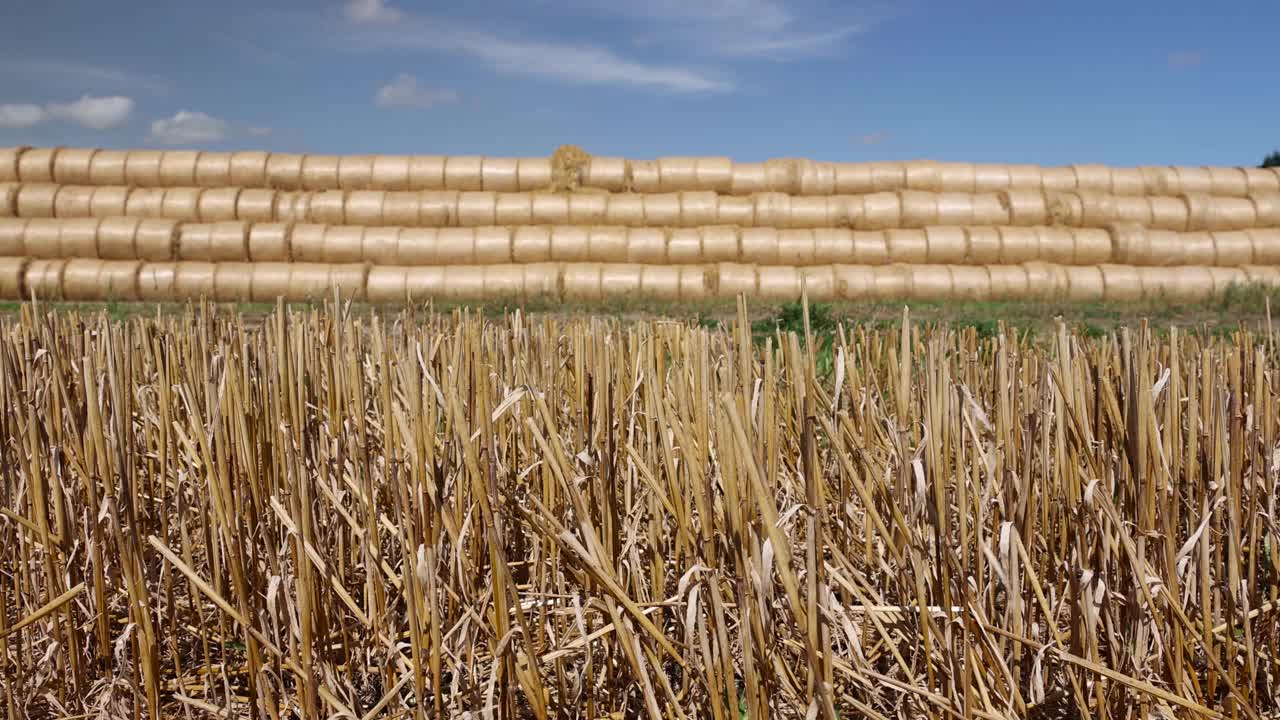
[20, 115]
[404, 91]
[81, 75]
[1185, 59]
[876, 138]
[189, 128]
[576, 64]
[95, 113]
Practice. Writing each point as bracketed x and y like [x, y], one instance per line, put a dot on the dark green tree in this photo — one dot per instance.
[1272, 160]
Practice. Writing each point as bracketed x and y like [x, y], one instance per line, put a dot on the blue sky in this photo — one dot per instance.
[1124, 83]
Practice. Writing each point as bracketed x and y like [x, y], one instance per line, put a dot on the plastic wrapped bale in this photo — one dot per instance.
[541, 281]
[1008, 282]
[1092, 246]
[142, 168]
[71, 166]
[503, 282]
[425, 283]
[816, 178]
[550, 209]
[661, 210]
[233, 282]
[178, 168]
[213, 169]
[40, 238]
[892, 282]
[919, 209]
[1232, 248]
[1121, 283]
[381, 245]
[1026, 208]
[534, 244]
[1058, 179]
[782, 175]
[945, 245]
[256, 205]
[759, 245]
[748, 178]
[1128, 182]
[11, 237]
[854, 282]
[36, 165]
[601, 173]
[970, 282]
[418, 246]
[993, 178]
[604, 244]
[463, 172]
[870, 247]
[910, 246]
[1084, 283]
[284, 171]
[581, 281]
[697, 208]
[350, 280]
[684, 246]
[678, 174]
[647, 246]
[626, 210]
[438, 208]
[982, 246]
[218, 204]
[267, 281]
[1093, 178]
[1266, 245]
[35, 200]
[957, 177]
[620, 280]
[364, 207]
[9, 162]
[389, 172]
[269, 242]
[831, 246]
[72, 201]
[796, 247]
[930, 282]
[328, 207]
[587, 208]
[78, 238]
[107, 167]
[493, 246]
[1025, 177]
[881, 211]
[1018, 245]
[42, 279]
[1261, 180]
[355, 172]
[426, 172]
[955, 209]
[819, 281]
[778, 283]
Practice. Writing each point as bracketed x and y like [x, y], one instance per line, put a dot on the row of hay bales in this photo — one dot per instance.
[99, 280]
[152, 239]
[447, 208]
[576, 170]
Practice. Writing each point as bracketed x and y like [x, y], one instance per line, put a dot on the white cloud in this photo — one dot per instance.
[404, 91]
[189, 128]
[95, 113]
[370, 11]
[21, 116]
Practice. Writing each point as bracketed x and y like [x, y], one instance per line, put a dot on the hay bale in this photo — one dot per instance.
[40, 238]
[581, 281]
[647, 246]
[456, 246]
[1265, 275]
[1058, 179]
[907, 245]
[157, 239]
[233, 282]
[156, 281]
[268, 281]
[1044, 281]
[1261, 181]
[748, 179]
[815, 212]
[328, 207]
[1160, 180]
[678, 174]
[958, 177]
[541, 281]
[1266, 209]
[499, 175]
[994, 178]
[418, 246]
[626, 210]
[1226, 278]
[1099, 209]
[11, 237]
[145, 202]
[256, 205]
[1130, 244]
[698, 208]
[734, 210]
[759, 245]
[1008, 282]
[970, 282]
[309, 282]
[606, 244]
[1025, 207]
[213, 169]
[80, 280]
[550, 209]
[600, 173]
[269, 242]
[870, 247]
[1018, 245]
[1132, 209]
[1200, 211]
[350, 280]
[78, 238]
[880, 211]
[819, 281]
[218, 204]
[249, 169]
[587, 208]
[955, 209]
[306, 243]
[400, 208]
[318, 172]
[178, 168]
[1231, 213]
[423, 283]
[1025, 177]
[9, 200]
[1232, 248]
[987, 210]
[1092, 246]
[854, 282]
[1194, 180]
[918, 208]
[714, 174]
[661, 210]
[930, 282]
[568, 164]
[438, 208]
[1198, 248]
[1093, 178]
[195, 242]
[733, 279]
[71, 166]
[36, 165]
[355, 172]
[426, 172]
[777, 283]
[684, 246]
[284, 171]
[1057, 245]
[342, 244]
[228, 241]
[946, 245]
[796, 247]
[35, 200]
[852, 178]
[389, 172]
[816, 178]
[772, 209]
[9, 162]
[832, 246]
[1128, 182]
[1169, 213]
[293, 206]
[697, 282]
[493, 246]
[893, 282]
[364, 207]
[117, 236]
[502, 282]
[1121, 283]
[181, 203]
[387, 285]
[923, 176]
[1085, 283]
[534, 244]
[982, 246]
[75, 201]
[107, 167]
[1266, 245]
[620, 280]
[142, 168]
[660, 282]
[720, 244]
[12, 272]
[782, 175]
[42, 279]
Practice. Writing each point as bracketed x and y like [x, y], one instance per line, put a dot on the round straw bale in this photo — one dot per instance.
[831, 246]
[268, 281]
[991, 178]
[1058, 179]
[748, 178]
[918, 208]
[233, 282]
[318, 172]
[678, 174]
[970, 282]
[720, 244]
[1266, 245]
[293, 206]
[269, 242]
[930, 282]
[349, 279]
[12, 270]
[35, 200]
[797, 247]
[1261, 180]
[870, 247]
[1025, 207]
[684, 246]
[213, 169]
[418, 246]
[535, 174]
[541, 280]
[438, 208]
[1008, 282]
[854, 282]
[1265, 275]
[605, 244]
[698, 208]
[380, 245]
[118, 280]
[819, 281]
[181, 203]
[852, 178]
[782, 175]
[626, 209]
[1159, 180]
[587, 208]
[218, 204]
[498, 174]
[387, 285]
[284, 171]
[390, 172]
[946, 245]
[1128, 182]
[955, 209]
[328, 207]
[117, 239]
[881, 211]
[772, 209]
[9, 162]
[74, 201]
[71, 166]
[462, 172]
[714, 174]
[36, 165]
[620, 280]
[1098, 208]
[228, 241]
[256, 205]
[355, 172]
[1058, 245]
[107, 167]
[1065, 208]
[308, 281]
[145, 202]
[550, 208]
[178, 168]
[1159, 283]
[603, 173]
[893, 282]
[982, 246]
[249, 169]
[759, 245]
[502, 282]
[342, 244]
[1093, 178]
[195, 242]
[1044, 281]
[493, 246]
[1194, 180]
[401, 208]
[80, 280]
[306, 243]
[923, 176]
[426, 172]
[1132, 209]
[1084, 282]
[1232, 248]
[777, 283]
[1232, 213]
[40, 238]
[647, 246]
[78, 238]
[1130, 244]
[1198, 248]
[1200, 211]
[907, 245]
[581, 281]
[1018, 245]
[660, 282]
[958, 177]
[43, 279]
[142, 168]
[816, 178]
[987, 210]
[535, 244]
[1025, 177]
[1266, 209]
[456, 246]
[9, 200]
[11, 237]
[1092, 246]
[1168, 213]
[1225, 279]
[423, 283]
[661, 210]
[735, 210]
[697, 282]
[1121, 283]
[813, 212]
[364, 207]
